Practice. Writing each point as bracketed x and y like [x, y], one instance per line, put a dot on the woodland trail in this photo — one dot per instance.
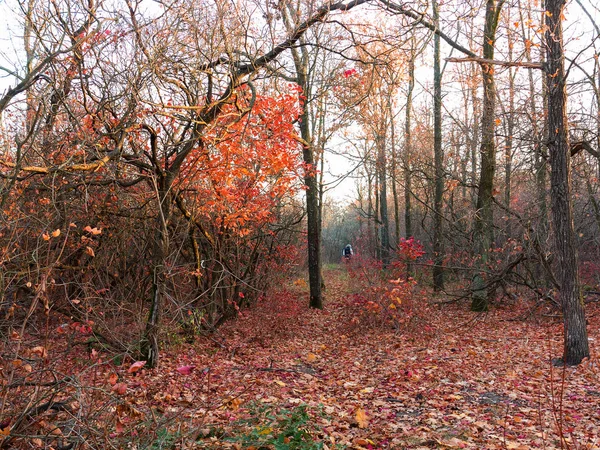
[472, 381]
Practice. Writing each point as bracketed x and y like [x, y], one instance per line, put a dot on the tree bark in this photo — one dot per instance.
[384, 226]
[394, 170]
[484, 223]
[510, 129]
[312, 197]
[313, 228]
[408, 231]
[575, 333]
[438, 250]
[149, 346]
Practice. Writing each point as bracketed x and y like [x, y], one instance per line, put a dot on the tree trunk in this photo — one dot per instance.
[301, 59]
[575, 332]
[383, 206]
[408, 231]
[394, 177]
[312, 216]
[510, 129]
[371, 214]
[484, 223]
[149, 346]
[438, 250]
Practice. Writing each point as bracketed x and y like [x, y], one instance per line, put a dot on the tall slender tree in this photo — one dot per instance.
[438, 156]
[484, 224]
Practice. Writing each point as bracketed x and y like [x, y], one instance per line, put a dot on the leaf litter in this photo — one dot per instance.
[483, 381]
[284, 376]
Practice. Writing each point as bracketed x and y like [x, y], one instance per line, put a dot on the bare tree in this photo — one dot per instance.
[575, 332]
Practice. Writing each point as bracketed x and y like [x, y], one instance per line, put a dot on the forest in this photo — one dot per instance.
[178, 182]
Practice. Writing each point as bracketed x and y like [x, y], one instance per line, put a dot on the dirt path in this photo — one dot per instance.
[474, 382]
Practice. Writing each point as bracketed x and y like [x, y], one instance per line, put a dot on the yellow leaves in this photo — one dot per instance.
[300, 282]
[361, 418]
[311, 357]
[54, 234]
[5, 431]
[279, 383]
[93, 231]
[234, 403]
[452, 184]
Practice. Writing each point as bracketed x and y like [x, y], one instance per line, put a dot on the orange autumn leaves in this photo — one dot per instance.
[246, 163]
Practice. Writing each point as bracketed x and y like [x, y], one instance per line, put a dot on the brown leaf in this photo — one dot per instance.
[136, 366]
[361, 418]
[40, 351]
[120, 388]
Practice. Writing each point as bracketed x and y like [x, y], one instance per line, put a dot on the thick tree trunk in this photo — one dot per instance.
[438, 244]
[575, 332]
[484, 223]
[312, 216]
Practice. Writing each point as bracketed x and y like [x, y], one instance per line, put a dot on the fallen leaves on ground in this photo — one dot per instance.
[301, 378]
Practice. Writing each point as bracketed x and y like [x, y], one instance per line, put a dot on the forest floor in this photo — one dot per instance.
[283, 376]
[282, 372]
